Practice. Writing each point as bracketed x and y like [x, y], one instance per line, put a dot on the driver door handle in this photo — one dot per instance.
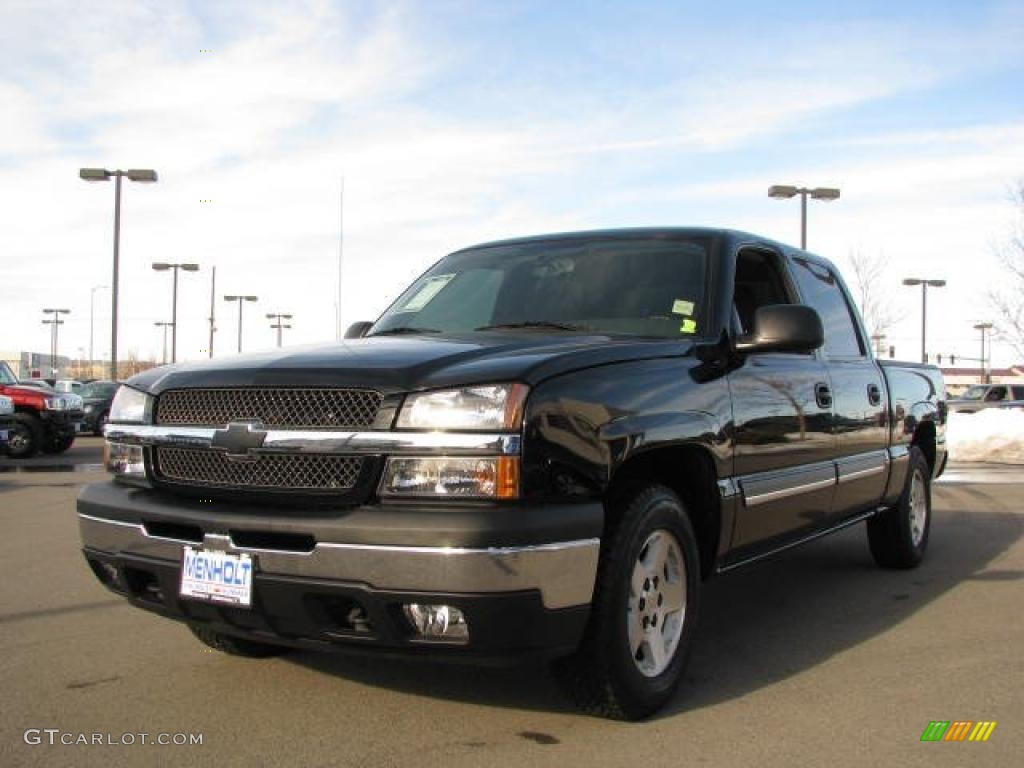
[823, 395]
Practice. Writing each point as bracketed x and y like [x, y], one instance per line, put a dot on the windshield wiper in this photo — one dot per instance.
[535, 324]
[404, 329]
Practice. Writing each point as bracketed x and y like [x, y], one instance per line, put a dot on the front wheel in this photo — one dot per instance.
[25, 438]
[644, 611]
[898, 537]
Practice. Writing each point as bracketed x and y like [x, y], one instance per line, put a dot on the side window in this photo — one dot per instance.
[1018, 393]
[822, 291]
[995, 395]
[759, 283]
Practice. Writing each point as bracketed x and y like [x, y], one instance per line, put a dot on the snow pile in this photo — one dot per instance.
[994, 434]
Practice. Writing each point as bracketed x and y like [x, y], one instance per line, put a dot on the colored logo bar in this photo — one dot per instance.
[958, 730]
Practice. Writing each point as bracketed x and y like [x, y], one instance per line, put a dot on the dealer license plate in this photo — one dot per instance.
[216, 577]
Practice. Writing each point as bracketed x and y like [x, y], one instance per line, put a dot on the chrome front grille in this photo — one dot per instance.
[273, 408]
[282, 472]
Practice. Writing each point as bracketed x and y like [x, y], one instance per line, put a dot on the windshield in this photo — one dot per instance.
[640, 287]
[98, 389]
[973, 393]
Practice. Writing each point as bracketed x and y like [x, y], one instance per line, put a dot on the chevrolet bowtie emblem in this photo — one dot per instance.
[239, 440]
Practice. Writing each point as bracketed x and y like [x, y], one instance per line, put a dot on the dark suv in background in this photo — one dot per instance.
[97, 396]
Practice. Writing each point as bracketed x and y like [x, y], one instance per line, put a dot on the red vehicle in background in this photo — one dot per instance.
[44, 420]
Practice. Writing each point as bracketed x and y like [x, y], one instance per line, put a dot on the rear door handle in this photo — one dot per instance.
[823, 395]
[874, 394]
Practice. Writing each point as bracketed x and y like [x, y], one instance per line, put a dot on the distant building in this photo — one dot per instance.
[28, 365]
[959, 379]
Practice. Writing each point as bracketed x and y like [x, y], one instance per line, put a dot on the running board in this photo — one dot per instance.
[811, 537]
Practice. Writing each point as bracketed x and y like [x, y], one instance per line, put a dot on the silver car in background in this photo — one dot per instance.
[983, 396]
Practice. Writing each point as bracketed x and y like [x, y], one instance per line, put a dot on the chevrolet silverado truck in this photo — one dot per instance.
[44, 420]
[544, 447]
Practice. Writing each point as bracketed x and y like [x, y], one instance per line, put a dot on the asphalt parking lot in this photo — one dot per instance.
[814, 658]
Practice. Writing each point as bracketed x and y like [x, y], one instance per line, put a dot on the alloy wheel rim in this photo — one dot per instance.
[19, 439]
[918, 508]
[656, 610]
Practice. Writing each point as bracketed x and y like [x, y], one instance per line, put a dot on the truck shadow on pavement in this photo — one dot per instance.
[758, 626]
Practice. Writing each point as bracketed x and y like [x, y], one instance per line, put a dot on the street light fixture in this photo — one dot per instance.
[279, 316]
[986, 378]
[165, 325]
[785, 191]
[240, 300]
[54, 322]
[925, 284]
[144, 175]
[162, 266]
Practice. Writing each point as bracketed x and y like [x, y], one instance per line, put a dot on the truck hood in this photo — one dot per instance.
[406, 363]
[23, 395]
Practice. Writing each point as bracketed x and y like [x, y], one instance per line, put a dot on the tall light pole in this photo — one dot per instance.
[213, 309]
[162, 266]
[985, 378]
[165, 325]
[53, 322]
[92, 314]
[924, 283]
[240, 300]
[279, 325]
[784, 192]
[146, 175]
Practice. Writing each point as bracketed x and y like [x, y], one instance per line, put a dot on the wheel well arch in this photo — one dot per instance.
[689, 471]
[925, 438]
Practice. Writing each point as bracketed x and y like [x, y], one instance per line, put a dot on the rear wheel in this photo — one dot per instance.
[236, 646]
[898, 537]
[25, 436]
[644, 611]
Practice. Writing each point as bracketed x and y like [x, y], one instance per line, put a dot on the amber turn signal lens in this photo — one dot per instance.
[507, 486]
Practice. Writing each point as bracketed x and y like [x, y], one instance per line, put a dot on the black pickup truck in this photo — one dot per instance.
[543, 447]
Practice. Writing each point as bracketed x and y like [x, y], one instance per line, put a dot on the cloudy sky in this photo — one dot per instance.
[454, 122]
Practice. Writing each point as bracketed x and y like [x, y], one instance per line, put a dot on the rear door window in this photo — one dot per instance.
[821, 290]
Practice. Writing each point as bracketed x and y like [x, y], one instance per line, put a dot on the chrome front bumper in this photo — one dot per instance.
[563, 572]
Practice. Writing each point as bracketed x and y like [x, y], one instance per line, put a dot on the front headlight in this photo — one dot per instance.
[490, 477]
[492, 407]
[130, 406]
[125, 462]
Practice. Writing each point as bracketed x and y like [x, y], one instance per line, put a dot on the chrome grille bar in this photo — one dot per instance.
[329, 442]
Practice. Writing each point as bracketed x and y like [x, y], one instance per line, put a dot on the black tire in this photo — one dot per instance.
[59, 444]
[237, 646]
[892, 537]
[26, 436]
[604, 677]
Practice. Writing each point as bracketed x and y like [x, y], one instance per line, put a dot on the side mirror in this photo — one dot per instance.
[783, 328]
[358, 330]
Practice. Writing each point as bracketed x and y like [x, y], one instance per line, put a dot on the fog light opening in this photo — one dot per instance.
[436, 622]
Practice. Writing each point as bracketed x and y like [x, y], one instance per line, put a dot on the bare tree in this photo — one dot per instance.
[1007, 301]
[871, 291]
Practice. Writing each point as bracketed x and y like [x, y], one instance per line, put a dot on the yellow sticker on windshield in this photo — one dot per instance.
[689, 325]
[680, 307]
